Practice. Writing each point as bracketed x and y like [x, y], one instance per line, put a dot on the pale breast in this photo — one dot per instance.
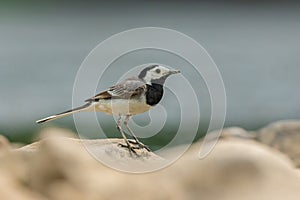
[122, 106]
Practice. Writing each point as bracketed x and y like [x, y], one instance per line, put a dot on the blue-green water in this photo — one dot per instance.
[256, 47]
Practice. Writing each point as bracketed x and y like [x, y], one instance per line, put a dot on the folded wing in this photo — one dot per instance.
[126, 89]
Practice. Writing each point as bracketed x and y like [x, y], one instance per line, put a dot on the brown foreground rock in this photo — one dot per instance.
[60, 168]
[283, 136]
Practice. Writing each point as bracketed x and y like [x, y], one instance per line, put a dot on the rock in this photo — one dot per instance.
[4, 143]
[237, 132]
[283, 136]
[107, 150]
[55, 132]
[59, 168]
[237, 169]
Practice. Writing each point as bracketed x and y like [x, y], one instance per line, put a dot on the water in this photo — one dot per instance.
[255, 46]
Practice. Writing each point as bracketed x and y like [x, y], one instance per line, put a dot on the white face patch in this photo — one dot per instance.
[156, 73]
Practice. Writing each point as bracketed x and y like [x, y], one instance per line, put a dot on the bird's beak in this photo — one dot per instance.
[174, 72]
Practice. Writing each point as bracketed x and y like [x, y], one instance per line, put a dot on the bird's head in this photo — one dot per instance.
[156, 74]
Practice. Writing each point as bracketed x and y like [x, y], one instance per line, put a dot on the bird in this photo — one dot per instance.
[130, 97]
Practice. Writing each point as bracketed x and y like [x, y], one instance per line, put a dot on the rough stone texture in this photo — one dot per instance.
[106, 150]
[283, 136]
[61, 168]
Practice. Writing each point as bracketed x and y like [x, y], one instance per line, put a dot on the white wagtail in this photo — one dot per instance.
[130, 97]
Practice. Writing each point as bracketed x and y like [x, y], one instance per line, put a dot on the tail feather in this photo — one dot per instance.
[63, 114]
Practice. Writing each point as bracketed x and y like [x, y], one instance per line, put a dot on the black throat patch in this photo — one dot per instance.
[154, 94]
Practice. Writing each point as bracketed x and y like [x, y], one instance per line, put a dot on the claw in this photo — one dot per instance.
[129, 147]
[140, 145]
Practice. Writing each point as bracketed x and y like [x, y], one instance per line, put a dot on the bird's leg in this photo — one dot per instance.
[141, 145]
[127, 145]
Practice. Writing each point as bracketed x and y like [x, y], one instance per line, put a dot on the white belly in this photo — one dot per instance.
[122, 106]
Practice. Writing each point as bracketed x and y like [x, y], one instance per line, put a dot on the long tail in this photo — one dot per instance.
[63, 114]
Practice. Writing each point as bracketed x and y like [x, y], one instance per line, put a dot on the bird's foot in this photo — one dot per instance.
[140, 145]
[130, 148]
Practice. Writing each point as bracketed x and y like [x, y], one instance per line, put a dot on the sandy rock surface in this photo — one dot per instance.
[61, 168]
[283, 136]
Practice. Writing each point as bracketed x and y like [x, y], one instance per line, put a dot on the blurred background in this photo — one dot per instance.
[255, 45]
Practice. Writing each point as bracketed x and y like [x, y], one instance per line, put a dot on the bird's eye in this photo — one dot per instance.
[157, 71]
